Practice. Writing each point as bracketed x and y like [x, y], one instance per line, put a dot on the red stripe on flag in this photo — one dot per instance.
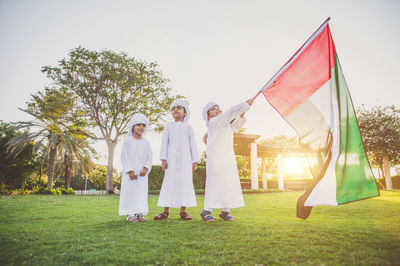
[304, 76]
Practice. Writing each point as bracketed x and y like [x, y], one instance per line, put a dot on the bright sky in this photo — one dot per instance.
[223, 51]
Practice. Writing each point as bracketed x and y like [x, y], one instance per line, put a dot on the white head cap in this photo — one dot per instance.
[138, 119]
[207, 107]
[180, 102]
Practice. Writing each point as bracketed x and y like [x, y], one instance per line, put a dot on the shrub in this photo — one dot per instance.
[156, 177]
[20, 192]
[395, 182]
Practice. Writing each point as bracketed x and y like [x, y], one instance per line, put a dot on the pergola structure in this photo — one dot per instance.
[245, 145]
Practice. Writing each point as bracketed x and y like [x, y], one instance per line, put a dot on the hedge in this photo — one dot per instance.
[395, 182]
[156, 177]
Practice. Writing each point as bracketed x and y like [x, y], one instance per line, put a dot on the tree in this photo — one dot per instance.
[14, 170]
[75, 159]
[111, 88]
[380, 129]
[57, 118]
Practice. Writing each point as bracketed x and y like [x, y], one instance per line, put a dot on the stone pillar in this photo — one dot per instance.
[253, 166]
[280, 173]
[264, 173]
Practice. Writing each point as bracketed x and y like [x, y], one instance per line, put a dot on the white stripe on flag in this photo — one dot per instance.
[324, 193]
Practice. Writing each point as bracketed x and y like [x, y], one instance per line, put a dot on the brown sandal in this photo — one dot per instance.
[161, 216]
[141, 219]
[185, 216]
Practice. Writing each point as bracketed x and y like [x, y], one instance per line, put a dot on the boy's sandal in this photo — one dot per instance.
[141, 218]
[185, 216]
[207, 217]
[161, 216]
[132, 219]
[226, 216]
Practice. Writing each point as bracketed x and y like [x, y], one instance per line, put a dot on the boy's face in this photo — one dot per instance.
[214, 111]
[138, 129]
[178, 113]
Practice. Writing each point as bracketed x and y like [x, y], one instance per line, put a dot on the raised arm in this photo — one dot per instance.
[238, 123]
[230, 114]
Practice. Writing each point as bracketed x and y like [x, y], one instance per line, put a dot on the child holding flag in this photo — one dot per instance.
[223, 188]
[179, 158]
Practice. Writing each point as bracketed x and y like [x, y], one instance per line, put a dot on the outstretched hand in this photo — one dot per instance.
[250, 101]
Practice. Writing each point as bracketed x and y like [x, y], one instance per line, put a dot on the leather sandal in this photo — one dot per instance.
[161, 216]
[185, 216]
[141, 218]
[207, 217]
[226, 216]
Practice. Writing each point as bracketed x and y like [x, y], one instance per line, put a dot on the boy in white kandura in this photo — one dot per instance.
[136, 158]
[179, 157]
[223, 188]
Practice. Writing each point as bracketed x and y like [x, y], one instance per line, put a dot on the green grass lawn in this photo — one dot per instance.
[57, 230]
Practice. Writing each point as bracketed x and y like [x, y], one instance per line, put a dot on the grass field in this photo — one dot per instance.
[58, 230]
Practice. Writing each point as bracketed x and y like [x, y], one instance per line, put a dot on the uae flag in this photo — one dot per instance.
[311, 94]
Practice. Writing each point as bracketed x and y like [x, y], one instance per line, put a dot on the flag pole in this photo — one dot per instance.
[263, 88]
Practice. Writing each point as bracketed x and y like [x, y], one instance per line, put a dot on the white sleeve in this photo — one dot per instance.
[232, 113]
[149, 158]
[127, 161]
[193, 147]
[238, 123]
[164, 143]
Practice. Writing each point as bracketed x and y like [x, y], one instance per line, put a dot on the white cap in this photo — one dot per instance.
[180, 102]
[138, 119]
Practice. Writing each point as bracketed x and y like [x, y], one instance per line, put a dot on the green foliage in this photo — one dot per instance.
[243, 166]
[156, 177]
[77, 230]
[98, 177]
[15, 169]
[395, 182]
[58, 121]
[112, 87]
[380, 130]
[52, 191]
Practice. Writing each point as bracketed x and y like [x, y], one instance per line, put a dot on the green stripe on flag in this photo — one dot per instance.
[354, 178]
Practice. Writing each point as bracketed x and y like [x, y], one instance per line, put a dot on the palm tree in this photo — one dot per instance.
[75, 158]
[57, 118]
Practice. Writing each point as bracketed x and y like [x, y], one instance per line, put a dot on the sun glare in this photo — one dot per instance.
[294, 165]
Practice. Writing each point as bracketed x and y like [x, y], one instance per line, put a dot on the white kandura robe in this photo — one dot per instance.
[223, 188]
[136, 154]
[179, 149]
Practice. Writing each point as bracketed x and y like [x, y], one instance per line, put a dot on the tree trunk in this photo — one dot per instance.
[52, 162]
[386, 173]
[50, 167]
[68, 172]
[109, 179]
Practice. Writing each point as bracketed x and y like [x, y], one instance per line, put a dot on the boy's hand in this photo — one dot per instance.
[250, 101]
[132, 175]
[194, 166]
[164, 165]
[144, 171]
[205, 138]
